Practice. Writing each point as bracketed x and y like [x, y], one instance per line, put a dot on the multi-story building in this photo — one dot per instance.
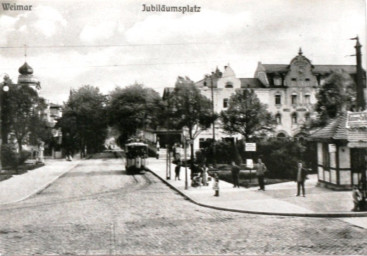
[287, 90]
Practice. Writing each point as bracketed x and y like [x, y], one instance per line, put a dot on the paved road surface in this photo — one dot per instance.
[97, 209]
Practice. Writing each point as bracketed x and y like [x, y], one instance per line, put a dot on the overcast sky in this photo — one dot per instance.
[154, 48]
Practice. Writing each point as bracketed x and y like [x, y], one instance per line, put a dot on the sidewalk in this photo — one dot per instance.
[278, 199]
[20, 187]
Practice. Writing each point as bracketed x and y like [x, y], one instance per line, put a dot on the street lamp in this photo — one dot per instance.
[185, 133]
[3, 120]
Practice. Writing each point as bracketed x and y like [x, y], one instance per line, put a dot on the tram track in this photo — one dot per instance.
[128, 187]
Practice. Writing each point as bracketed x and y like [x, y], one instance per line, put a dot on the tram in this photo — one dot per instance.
[136, 154]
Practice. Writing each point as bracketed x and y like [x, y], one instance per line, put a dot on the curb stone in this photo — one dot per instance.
[284, 214]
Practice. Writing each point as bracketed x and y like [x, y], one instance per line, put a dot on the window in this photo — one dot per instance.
[225, 103]
[278, 118]
[229, 85]
[204, 83]
[325, 156]
[294, 79]
[278, 99]
[307, 99]
[307, 117]
[281, 135]
[294, 118]
[294, 99]
[307, 79]
[322, 81]
[277, 81]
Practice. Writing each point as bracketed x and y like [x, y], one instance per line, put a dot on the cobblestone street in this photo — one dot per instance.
[97, 209]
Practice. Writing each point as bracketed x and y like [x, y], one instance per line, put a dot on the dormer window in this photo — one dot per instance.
[229, 85]
[278, 81]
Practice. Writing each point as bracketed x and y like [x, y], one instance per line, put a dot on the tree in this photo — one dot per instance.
[84, 122]
[187, 107]
[132, 108]
[24, 113]
[336, 95]
[246, 115]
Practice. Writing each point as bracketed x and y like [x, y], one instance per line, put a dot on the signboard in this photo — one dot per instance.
[249, 163]
[357, 120]
[332, 148]
[250, 146]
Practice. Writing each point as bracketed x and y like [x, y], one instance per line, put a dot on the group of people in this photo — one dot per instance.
[260, 168]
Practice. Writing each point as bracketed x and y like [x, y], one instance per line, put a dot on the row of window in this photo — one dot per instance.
[278, 100]
[294, 99]
[278, 81]
[294, 118]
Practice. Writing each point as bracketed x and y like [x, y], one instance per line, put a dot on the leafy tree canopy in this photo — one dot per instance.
[246, 115]
[84, 123]
[337, 94]
[23, 114]
[186, 106]
[134, 107]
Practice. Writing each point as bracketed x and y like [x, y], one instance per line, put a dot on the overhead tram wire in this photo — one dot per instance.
[104, 45]
[132, 64]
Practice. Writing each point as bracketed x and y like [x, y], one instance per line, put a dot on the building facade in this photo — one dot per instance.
[287, 90]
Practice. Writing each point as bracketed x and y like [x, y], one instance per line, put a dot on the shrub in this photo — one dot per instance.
[10, 158]
[279, 155]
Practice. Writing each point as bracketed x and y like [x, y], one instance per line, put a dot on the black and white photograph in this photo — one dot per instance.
[182, 127]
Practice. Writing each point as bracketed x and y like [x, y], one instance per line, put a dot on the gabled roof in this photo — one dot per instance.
[351, 69]
[323, 69]
[274, 68]
[337, 130]
[251, 83]
[330, 130]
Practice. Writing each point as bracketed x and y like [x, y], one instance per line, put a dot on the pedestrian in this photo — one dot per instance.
[235, 174]
[158, 145]
[301, 178]
[178, 169]
[216, 185]
[260, 173]
[357, 198]
[205, 175]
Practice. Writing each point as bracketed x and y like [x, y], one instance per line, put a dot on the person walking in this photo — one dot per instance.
[205, 175]
[235, 174]
[301, 178]
[357, 198]
[260, 173]
[177, 170]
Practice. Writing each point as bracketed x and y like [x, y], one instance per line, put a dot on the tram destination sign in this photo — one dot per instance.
[357, 120]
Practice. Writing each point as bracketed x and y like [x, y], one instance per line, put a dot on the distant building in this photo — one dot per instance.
[288, 91]
[51, 114]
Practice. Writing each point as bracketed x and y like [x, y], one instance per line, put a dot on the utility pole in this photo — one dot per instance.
[361, 102]
[4, 88]
[212, 91]
[361, 106]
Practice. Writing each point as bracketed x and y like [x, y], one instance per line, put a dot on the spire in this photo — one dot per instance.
[300, 51]
[25, 53]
